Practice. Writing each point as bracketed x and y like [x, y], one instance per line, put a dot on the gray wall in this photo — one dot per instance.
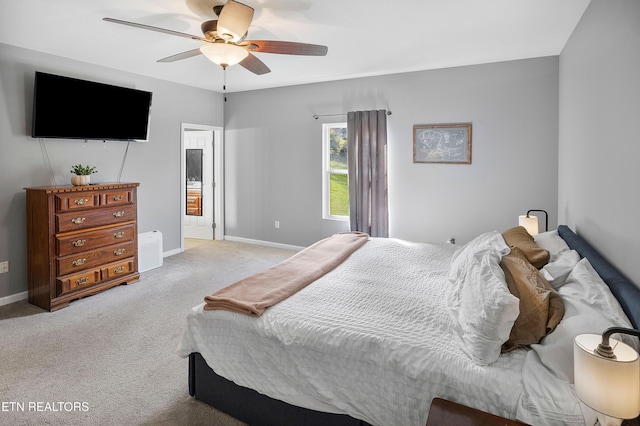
[273, 152]
[156, 164]
[599, 138]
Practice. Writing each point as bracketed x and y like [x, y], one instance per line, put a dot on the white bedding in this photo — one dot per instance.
[372, 339]
[548, 371]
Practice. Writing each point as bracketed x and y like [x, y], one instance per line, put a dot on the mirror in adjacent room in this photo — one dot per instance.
[194, 182]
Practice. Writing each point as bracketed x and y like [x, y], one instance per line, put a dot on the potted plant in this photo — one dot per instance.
[82, 174]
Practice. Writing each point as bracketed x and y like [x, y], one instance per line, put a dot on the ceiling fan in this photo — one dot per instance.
[225, 43]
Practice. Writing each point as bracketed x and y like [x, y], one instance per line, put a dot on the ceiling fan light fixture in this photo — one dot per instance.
[234, 21]
[223, 54]
[224, 39]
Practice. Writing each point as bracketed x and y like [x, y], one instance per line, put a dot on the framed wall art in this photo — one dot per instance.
[442, 143]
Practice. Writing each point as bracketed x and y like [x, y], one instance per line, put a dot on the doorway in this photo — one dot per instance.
[201, 182]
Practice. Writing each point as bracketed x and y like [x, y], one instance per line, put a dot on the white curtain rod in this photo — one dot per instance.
[316, 116]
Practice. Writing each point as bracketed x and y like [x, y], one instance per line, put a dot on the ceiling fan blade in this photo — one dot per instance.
[254, 65]
[179, 56]
[284, 47]
[234, 20]
[152, 28]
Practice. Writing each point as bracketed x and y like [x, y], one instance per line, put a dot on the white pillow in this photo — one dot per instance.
[488, 239]
[552, 242]
[557, 271]
[482, 308]
[589, 307]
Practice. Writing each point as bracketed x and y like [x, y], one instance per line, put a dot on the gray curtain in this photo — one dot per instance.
[367, 156]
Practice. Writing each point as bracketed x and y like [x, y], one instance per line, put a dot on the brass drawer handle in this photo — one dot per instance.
[118, 270]
[78, 243]
[82, 280]
[118, 214]
[118, 198]
[81, 201]
[118, 234]
[118, 252]
[78, 262]
[78, 220]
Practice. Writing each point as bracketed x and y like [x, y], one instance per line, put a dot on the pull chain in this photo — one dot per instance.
[224, 83]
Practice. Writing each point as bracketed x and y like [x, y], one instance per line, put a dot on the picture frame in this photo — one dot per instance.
[442, 143]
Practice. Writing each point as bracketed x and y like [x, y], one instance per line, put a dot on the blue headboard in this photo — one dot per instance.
[624, 290]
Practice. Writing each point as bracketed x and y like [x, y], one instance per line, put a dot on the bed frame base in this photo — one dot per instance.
[252, 407]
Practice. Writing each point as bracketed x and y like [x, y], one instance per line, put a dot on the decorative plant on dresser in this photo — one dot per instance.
[80, 240]
[82, 174]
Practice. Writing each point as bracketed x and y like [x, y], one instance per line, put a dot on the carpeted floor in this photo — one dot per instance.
[110, 359]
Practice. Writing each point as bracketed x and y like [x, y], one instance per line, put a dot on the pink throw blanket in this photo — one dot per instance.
[252, 295]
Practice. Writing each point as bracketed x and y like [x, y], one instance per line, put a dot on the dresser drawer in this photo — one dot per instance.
[114, 198]
[75, 220]
[90, 240]
[76, 200]
[91, 259]
[116, 270]
[78, 281]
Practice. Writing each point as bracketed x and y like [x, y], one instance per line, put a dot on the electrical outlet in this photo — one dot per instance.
[4, 267]
[277, 224]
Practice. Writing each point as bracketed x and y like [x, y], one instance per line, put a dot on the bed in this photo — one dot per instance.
[295, 364]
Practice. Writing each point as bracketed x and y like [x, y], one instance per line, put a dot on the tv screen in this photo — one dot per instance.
[69, 108]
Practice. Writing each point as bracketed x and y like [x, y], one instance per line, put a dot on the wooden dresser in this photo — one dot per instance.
[80, 240]
[194, 202]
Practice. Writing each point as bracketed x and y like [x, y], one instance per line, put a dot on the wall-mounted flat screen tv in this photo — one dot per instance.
[70, 108]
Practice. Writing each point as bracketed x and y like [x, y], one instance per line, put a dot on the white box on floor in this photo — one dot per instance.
[149, 250]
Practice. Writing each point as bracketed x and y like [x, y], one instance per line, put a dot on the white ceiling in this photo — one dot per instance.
[364, 37]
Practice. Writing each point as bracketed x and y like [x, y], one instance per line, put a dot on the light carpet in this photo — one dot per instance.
[110, 359]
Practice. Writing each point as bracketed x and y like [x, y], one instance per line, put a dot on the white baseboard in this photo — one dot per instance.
[14, 298]
[262, 243]
[171, 252]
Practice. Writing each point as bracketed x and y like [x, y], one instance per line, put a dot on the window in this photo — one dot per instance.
[335, 180]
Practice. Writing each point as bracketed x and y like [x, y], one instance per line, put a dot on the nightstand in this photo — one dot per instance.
[444, 412]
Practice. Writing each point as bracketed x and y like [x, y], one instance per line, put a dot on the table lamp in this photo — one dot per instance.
[530, 223]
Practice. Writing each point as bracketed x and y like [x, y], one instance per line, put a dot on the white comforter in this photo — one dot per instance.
[372, 339]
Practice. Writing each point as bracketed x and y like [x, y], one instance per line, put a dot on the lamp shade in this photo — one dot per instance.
[608, 385]
[530, 223]
[223, 54]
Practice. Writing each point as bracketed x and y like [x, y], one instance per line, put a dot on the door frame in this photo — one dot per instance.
[218, 178]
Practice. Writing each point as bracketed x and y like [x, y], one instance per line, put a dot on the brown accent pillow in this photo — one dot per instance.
[541, 307]
[519, 237]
